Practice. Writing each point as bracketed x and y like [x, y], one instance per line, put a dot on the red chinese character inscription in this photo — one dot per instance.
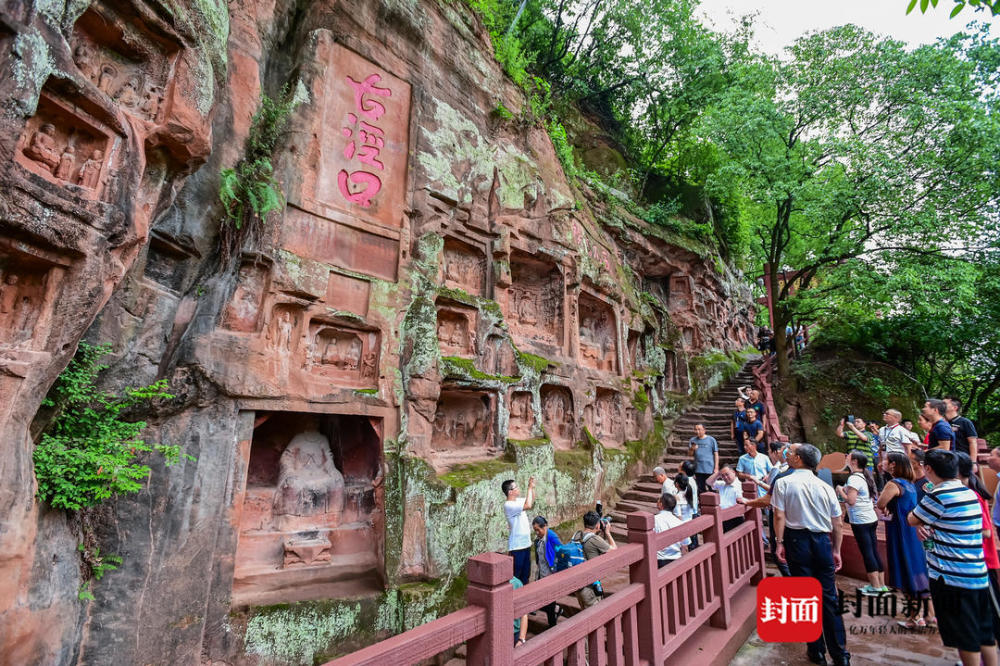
[360, 187]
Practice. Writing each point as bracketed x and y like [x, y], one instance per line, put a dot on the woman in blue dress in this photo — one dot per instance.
[905, 553]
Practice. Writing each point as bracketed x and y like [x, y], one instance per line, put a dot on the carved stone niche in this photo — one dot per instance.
[463, 267]
[27, 291]
[311, 505]
[497, 357]
[456, 330]
[534, 302]
[598, 334]
[633, 424]
[242, 313]
[346, 354]
[675, 374]
[67, 147]
[557, 415]
[690, 339]
[680, 293]
[522, 420]
[124, 59]
[604, 419]
[463, 427]
[165, 262]
[633, 349]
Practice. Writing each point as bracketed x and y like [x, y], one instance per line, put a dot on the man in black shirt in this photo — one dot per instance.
[966, 439]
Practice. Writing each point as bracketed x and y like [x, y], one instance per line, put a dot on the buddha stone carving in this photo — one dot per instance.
[310, 489]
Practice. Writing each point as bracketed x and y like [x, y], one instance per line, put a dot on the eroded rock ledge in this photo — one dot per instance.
[436, 309]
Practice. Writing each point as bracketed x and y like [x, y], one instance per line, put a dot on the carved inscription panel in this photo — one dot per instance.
[364, 138]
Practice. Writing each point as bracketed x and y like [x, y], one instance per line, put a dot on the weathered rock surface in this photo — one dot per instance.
[436, 309]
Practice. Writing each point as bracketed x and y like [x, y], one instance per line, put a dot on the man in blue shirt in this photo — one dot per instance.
[753, 466]
[941, 433]
[754, 428]
[949, 518]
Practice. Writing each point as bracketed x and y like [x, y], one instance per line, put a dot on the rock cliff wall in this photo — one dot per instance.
[436, 309]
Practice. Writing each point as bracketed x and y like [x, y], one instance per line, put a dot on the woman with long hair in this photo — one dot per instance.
[684, 492]
[968, 476]
[859, 493]
[904, 552]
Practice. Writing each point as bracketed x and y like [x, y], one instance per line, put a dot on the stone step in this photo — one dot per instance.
[633, 495]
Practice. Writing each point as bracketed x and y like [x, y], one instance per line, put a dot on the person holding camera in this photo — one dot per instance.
[515, 509]
[597, 540]
[853, 430]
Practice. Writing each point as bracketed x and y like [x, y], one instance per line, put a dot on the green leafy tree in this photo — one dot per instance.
[855, 148]
[89, 452]
[991, 6]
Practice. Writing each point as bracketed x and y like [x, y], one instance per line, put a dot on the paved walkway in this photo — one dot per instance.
[870, 640]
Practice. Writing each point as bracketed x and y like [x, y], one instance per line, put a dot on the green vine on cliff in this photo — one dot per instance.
[88, 453]
[249, 191]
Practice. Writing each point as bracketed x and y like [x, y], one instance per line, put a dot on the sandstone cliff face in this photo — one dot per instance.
[437, 309]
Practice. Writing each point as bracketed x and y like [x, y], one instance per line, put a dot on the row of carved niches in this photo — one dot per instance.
[463, 427]
[558, 416]
[463, 267]
[311, 516]
[598, 334]
[68, 147]
[28, 287]
[533, 305]
[456, 330]
[124, 60]
[604, 418]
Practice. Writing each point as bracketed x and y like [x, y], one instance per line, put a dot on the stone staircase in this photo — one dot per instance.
[714, 413]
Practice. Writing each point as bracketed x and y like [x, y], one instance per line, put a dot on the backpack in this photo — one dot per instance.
[569, 555]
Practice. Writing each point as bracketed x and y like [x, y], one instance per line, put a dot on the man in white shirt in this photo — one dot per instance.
[806, 520]
[519, 542]
[753, 466]
[663, 521]
[729, 488]
[893, 436]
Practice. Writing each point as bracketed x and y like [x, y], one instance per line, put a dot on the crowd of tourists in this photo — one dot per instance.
[925, 489]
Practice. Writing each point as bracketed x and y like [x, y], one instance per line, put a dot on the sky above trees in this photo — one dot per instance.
[781, 22]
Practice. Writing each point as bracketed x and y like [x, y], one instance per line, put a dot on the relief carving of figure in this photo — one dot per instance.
[128, 93]
[65, 169]
[42, 147]
[8, 293]
[90, 172]
[308, 482]
[107, 78]
[86, 60]
[368, 366]
[281, 336]
[520, 407]
[526, 312]
[152, 99]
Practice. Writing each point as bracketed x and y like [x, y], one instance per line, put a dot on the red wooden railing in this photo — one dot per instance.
[643, 623]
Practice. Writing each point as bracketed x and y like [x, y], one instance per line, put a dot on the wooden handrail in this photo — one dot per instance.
[550, 588]
[577, 627]
[633, 619]
[422, 642]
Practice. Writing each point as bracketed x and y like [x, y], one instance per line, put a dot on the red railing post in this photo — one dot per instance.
[757, 516]
[490, 588]
[650, 624]
[709, 503]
